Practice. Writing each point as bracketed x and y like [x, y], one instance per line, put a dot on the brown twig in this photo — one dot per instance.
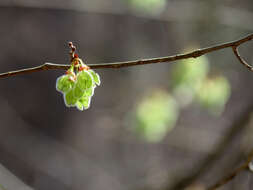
[116, 65]
[230, 176]
[236, 129]
[242, 61]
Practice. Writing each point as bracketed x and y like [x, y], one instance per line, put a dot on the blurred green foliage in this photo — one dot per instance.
[190, 72]
[148, 6]
[2, 188]
[156, 115]
[187, 77]
[190, 81]
[213, 94]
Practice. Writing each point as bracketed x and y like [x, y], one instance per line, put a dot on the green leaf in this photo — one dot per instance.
[79, 105]
[84, 80]
[78, 93]
[95, 76]
[70, 99]
[85, 101]
[63, 84]
[89, 92]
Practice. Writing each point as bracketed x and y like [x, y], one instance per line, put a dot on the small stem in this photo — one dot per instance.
[242, 61]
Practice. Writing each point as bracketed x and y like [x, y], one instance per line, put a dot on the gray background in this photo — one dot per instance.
[48, 146]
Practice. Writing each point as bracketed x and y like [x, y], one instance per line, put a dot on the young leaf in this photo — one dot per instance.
[95, 76]
[85, 101]
[70, 99]
[78, 93]
[89, 92]
[84, 80]
[79, 105]
[63, 84]
[78, 85]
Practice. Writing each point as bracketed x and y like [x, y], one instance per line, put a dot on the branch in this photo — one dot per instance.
[237, 128]
[231, 176]
[242, 61]
[194, 54]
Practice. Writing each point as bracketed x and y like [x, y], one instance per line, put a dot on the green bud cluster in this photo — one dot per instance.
[77, 85]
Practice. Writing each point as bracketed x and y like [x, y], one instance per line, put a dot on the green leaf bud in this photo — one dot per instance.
[78, 93]
[84, 80]
[85, 101]
[70, 99]
[89, 92]
[79, 105]
[95, 76]
[63, 84]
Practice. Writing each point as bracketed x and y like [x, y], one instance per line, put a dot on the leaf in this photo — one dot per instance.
[79, 105]
[70, 99]
[85, 101]
[95, 76]
[84, 80]
[78, 93]
[89, 92]
[63, 84]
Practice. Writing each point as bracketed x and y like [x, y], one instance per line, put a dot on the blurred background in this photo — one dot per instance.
[168, 126]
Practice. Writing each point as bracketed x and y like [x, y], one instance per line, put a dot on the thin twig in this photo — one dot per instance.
[237, 128]
[116, 65]
[242, 61]
[230, 176]
[46, 66]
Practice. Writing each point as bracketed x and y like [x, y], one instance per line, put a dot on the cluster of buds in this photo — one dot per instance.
[77, 64]
[79, 82]
[72, 75]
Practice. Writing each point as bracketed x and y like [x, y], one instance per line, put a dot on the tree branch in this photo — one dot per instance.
[194, 54]
[237, 127]
[231, 176]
